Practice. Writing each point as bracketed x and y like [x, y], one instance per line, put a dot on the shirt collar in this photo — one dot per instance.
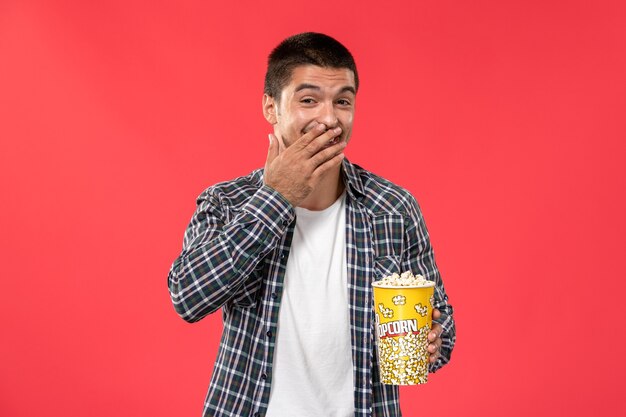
[352, 180]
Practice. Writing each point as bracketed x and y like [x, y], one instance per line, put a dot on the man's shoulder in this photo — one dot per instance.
[382, 195]
[236, 191]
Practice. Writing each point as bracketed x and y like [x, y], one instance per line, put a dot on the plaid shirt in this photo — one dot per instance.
[234, 257]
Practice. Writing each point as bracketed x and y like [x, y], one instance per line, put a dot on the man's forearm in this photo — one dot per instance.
[218, 259]
[419, 258]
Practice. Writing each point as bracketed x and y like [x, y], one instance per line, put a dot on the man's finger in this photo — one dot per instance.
[322, 141]
[309, 136]
[436, 314]
[330, 164]
[327, 154]
[435, 333]
[435, 345]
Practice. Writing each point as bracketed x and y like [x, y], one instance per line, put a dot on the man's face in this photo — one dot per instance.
[314, 95]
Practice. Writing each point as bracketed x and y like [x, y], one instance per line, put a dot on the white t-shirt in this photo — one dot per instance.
[312, 373]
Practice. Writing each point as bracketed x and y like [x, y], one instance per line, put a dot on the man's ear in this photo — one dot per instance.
[270, 108]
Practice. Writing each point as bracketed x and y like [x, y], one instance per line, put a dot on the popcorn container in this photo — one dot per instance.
[403, 321]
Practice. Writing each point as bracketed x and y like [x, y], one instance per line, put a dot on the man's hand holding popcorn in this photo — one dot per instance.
[434, 338]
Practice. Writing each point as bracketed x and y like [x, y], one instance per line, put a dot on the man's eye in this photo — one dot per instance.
[307, 100]
[343, 102]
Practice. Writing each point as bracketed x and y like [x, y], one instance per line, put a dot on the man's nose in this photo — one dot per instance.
[328, 116]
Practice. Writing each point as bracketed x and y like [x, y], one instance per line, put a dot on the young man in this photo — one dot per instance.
[289, 253]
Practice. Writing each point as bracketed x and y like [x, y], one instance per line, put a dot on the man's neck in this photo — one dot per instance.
[326, 193]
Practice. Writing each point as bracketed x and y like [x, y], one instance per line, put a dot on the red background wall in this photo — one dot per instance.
[506, 119]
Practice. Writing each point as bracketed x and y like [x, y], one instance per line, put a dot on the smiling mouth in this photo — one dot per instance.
[334, 140]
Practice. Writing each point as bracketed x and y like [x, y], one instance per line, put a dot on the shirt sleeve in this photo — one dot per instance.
[419, 258]
[219, 258]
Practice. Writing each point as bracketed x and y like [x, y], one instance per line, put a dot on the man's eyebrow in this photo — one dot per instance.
[304, 86]
[349, 89]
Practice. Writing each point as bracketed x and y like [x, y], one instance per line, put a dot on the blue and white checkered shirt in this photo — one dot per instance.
[234, 257]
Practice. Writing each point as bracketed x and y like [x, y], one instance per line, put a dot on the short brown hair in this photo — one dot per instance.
[307, 48]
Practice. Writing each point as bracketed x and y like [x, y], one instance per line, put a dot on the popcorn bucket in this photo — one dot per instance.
[403, 321]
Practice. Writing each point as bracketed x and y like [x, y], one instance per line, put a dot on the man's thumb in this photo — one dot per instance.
[273, 150]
